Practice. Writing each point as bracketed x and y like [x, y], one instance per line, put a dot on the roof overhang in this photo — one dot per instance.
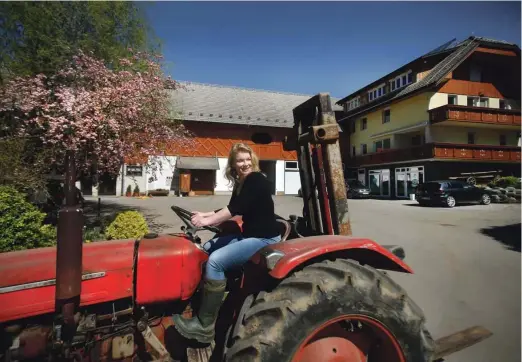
[197, 163]
[405, 129]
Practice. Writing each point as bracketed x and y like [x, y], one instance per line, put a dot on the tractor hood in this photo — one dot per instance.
[27, 285]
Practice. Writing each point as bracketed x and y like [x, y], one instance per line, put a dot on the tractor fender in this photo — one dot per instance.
[281, 258]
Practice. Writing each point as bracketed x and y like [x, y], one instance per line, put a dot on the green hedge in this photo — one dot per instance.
[21, 223]
[508, 181]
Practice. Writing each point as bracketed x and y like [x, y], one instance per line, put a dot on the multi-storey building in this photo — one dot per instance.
[218, 117]
[451, 113]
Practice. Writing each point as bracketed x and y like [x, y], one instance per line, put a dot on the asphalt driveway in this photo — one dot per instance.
[466, 260]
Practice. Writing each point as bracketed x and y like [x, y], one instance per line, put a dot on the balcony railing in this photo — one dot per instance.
[453, 112]
[440, 151]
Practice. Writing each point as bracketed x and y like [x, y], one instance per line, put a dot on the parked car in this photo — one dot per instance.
[450, 193]
[355, 189]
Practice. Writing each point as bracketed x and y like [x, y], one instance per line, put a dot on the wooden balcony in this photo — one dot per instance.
[442, 151]
[494, 116]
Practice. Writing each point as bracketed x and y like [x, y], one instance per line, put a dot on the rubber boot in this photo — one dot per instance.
[202, 326]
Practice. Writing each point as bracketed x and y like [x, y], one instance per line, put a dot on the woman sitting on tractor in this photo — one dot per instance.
[251, 198]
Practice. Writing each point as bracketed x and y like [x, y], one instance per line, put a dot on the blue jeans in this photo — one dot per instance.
[231, 251]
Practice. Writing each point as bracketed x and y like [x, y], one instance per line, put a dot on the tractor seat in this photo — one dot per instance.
[284, 229]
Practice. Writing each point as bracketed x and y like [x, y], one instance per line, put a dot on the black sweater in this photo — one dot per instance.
[254, 202]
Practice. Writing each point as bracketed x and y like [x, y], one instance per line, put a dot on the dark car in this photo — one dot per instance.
[450, 193]
[355, 189]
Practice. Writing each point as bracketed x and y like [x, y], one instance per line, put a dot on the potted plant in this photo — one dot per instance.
[136, 191]
[128, 193]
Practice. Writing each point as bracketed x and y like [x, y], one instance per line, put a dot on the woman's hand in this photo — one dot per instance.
[199, 220]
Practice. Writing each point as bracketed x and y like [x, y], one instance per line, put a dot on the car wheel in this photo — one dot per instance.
[485, 199]
[450, 201]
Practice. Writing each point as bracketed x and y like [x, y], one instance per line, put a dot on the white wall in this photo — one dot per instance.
[494, 102]
[441, 99]
[462, 100]
[292, 181]
[222, 184]
[280, 177]
[165, 168]
[141, 181]
[438, 100]
[163, 173]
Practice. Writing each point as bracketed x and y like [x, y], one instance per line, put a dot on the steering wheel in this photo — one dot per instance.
[186, 217]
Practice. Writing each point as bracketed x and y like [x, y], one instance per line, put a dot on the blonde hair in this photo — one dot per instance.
[230, 170]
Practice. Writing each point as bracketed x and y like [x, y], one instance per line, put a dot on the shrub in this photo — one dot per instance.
[136, 190]
[508, 181]
[21, 223]
[93, 234]
[49, 235]
[129, 190]
[127, 225]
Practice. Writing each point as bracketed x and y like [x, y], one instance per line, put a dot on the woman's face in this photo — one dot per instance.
[243, 164]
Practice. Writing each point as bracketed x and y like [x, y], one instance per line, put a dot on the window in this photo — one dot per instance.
[503, 140]
[134, 170]
[456, 185]
[504, 105]
[351, 104]
[378, 146]
[384, 144]
[478, 102]
[376, 92]
[401, 80]
[291, 165]
[364, 124]
[471, 138]
[452, 99]
[353, 151]
[364, 149]
[352, 126]
[386, 116]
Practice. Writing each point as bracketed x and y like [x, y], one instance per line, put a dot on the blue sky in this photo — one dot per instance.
[312, 47]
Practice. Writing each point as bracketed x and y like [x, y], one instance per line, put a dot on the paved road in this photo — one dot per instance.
[463, 276]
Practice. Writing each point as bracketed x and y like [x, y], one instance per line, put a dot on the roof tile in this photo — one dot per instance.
[222, 104]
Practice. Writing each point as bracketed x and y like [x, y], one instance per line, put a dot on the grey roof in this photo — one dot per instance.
[234, 105]
[197, 163]
[458, 51]
[435, 76]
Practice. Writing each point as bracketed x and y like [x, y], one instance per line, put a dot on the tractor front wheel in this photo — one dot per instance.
[332, 311]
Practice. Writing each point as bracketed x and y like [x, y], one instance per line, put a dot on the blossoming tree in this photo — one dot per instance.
[98, 114]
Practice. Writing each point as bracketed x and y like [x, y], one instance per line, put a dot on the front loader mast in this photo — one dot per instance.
[316, 140]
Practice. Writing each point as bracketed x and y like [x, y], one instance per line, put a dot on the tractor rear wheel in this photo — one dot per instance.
[331, 311]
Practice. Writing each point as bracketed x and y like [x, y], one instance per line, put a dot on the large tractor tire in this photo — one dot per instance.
[331, 311]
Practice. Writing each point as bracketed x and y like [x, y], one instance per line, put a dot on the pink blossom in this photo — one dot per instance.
[98, 112]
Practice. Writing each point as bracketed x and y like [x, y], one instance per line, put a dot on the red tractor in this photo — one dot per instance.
[318, 295]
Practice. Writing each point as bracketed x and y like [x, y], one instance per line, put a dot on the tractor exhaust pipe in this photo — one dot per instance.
[69, 253]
